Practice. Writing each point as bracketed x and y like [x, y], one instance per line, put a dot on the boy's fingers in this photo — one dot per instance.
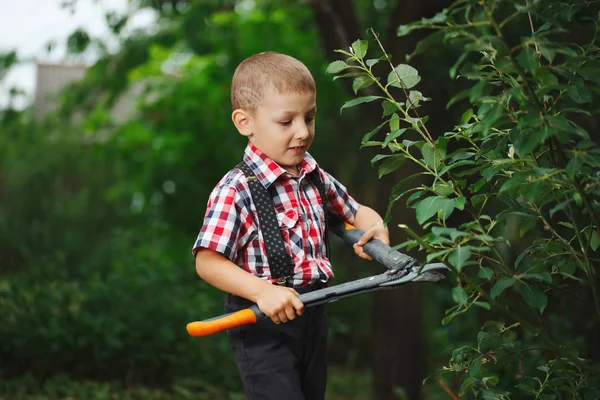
[368, 235]
[298, 306]
[360, 252]
[283, 316]
[290, 313]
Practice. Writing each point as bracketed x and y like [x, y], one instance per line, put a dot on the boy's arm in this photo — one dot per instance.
[371, 222]
[343, 205]
[278, 303]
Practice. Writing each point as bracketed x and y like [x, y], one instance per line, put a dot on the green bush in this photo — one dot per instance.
[90, 286]
[509, 199]
[125, 322]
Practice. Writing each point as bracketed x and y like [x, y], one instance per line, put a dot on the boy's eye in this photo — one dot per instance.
[286, 123]
[309, 119]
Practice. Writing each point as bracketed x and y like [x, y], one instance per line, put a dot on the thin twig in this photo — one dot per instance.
[443, 385]
[402, 86]
[537, 50]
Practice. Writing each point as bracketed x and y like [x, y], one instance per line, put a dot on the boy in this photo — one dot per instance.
[274, 104]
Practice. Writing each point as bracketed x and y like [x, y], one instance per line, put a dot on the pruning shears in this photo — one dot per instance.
[401, 269]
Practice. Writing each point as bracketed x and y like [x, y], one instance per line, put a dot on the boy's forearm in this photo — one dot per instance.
[221, 273]
[367, 218]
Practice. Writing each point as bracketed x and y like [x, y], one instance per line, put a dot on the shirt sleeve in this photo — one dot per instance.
[224, 225]
[339, 200]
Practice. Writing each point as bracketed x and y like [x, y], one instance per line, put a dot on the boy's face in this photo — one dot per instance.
[282, 127]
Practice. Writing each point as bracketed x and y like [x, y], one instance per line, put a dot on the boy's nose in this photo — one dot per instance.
[302, 132]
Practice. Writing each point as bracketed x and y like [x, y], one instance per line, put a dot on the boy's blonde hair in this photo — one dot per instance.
[269, 70]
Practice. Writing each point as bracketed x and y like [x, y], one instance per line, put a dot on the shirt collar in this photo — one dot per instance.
[267, 171]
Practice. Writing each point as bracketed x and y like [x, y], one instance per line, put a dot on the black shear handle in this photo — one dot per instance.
[378, 250]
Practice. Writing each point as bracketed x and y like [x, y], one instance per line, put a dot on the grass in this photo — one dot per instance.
[343, 384]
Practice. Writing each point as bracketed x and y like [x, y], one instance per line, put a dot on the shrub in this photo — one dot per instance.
[510, 202]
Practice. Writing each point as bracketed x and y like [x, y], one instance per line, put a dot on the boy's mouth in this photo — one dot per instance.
[297, 148]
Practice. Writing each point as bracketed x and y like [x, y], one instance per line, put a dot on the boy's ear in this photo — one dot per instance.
[241, 120]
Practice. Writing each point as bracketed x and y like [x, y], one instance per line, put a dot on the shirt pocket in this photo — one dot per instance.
[288, 219]
[291, 232]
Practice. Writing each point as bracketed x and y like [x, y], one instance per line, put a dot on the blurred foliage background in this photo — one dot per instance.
[98, 214]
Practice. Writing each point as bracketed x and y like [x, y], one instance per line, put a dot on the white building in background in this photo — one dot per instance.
[50, 80]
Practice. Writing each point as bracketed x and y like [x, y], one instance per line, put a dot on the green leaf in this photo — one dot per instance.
[590, 72]
[359, 100]
[393, 135]
[369, 135]
[391, 164]
[408, 75]
[595, 241]
[395, 122]
[574, 166]
[520, 258]
[540, 276]
[560, 206]
[477, 91]
[509, 337]
[430, 206]
[370, 143]
[349, 75]
[361, 82]
[528, 389]
[413, 197]
[336, 67]
[459, 257]
[459, 295]
[486, 273]
[389, 107]
[404, 30]
[78, 41]
[442, 189]
[462, 358]
[360, 48]
[501, 285]
[372, 61]
[528, 60]
[459, 202]
[463, 94]
[438, 255]
[467, 115]
[431, 158]
[579, 93]
[455, 165]
[534, 297]
[454, 233]
[408, 143]
[379, 157]
[466, 386]
[415, 96]
[475, 368]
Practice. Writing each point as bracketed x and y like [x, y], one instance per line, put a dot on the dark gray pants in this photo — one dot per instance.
[286, 361]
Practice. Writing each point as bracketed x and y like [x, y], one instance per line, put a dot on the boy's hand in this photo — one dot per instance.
[380, 233]
[281, 304]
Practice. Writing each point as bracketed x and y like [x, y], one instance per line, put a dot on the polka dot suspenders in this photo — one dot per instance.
[280, 262]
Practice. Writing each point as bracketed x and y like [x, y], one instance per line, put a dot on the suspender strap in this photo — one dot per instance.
[280, 262]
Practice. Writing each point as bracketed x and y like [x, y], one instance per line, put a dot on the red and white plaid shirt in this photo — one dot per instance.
[231, 223]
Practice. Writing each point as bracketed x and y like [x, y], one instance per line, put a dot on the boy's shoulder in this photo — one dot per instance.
[234, 179]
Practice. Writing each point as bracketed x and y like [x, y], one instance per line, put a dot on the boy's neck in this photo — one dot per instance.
[295, 171]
